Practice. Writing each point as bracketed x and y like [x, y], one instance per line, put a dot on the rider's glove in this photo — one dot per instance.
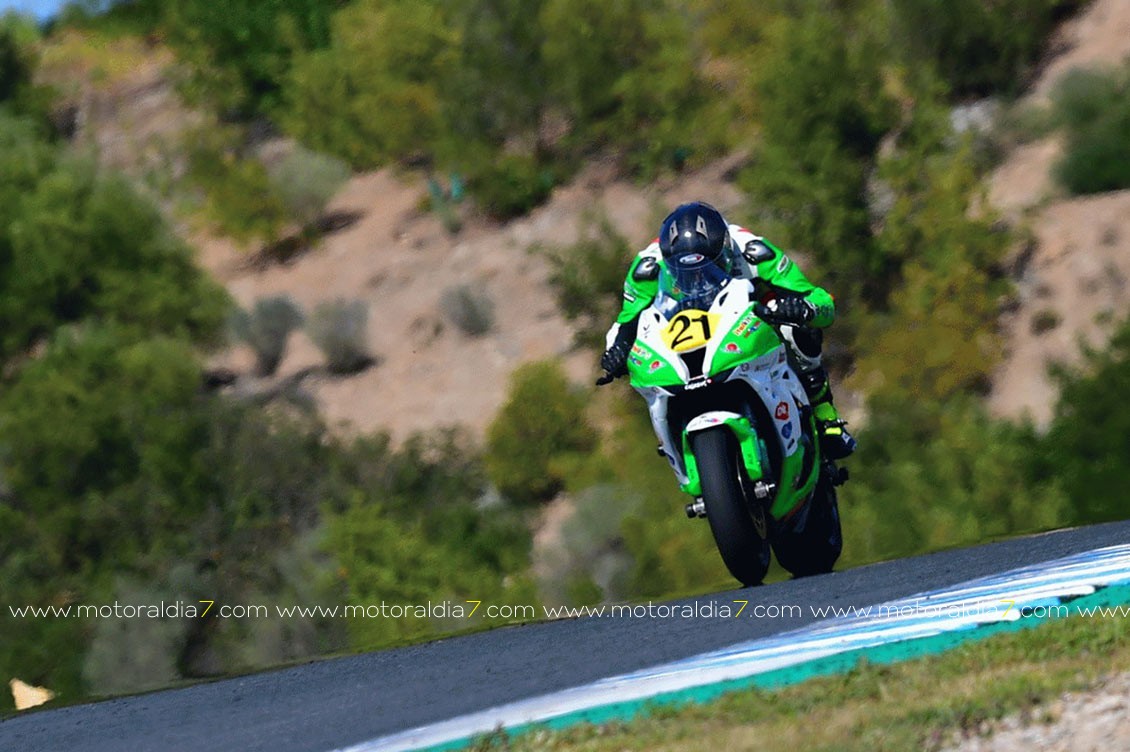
[615, 359]
[792, 309]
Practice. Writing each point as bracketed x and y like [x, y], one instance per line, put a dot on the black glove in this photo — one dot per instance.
[615, 361]
[787, 309]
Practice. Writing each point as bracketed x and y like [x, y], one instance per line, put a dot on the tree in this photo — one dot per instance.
[823, 107]
[79, 244]
[374, 95]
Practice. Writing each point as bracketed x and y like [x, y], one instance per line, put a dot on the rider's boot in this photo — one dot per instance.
[835, 441]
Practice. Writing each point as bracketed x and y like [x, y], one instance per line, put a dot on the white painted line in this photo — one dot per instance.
[986, 600]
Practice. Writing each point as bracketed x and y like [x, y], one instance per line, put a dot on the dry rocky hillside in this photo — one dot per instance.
[401, 261]
[403, 264]
[1073, 276]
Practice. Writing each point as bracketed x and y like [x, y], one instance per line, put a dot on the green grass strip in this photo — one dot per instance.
[991, 647]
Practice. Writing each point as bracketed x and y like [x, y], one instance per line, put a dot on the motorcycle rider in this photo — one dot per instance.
[799, 308]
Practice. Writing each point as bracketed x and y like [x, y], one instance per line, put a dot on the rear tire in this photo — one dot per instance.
[815, 547]
[733, 520]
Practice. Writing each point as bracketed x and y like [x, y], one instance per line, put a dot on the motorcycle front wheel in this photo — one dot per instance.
[739, 526]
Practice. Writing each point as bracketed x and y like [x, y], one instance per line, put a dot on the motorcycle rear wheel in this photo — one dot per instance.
[738, 526]
[813, 544]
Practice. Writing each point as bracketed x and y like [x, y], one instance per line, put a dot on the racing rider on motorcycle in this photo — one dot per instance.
[799, 308]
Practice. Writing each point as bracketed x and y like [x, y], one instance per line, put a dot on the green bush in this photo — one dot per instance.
[979, 48]
[340, 330]
[76, 243]
[932, 475]
[1089, 440]
[374, 95]
[266, 329]
[511, 185]
[823, 107]
[19, 95]
[536, 433]
[236, 194]
[588, 277]
[240, 51]
[469, 308]
[1095, 108]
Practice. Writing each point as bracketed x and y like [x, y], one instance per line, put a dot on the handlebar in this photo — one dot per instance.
[607, 378]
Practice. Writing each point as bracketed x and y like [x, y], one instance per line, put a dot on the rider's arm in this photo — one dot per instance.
[641, 284]
[780, 272]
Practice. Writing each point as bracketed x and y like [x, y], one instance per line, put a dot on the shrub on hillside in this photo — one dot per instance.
[511, 185]
[932, 475]
[588, 279]
[306, 180]
[266, 329]
[469, 308]
[823, 109]
[340, 330]
[235, 191]
[1089, 439]
[80, 243]
[1095, 108]
[537, 433]
[979, 47]
[373, 96]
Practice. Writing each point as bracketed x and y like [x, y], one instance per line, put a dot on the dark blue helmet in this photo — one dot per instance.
[694, 229]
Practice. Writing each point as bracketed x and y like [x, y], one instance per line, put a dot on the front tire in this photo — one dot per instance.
[733, 520]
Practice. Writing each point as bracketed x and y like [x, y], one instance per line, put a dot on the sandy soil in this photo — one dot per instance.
[402, 263]
[1072, 276]
[1094, 721]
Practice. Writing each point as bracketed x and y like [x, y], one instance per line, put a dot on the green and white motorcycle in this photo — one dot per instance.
[735, 423]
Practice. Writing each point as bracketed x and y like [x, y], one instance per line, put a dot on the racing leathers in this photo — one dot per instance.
[801, 310]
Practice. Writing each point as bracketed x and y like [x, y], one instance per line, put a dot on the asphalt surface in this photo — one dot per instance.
[343, 701]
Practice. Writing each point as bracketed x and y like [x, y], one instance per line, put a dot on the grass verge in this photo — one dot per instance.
[927, 704]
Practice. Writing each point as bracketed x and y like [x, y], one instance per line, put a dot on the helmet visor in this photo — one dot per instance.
[689, 281]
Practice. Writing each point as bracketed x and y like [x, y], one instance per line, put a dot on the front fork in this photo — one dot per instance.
[747, 441]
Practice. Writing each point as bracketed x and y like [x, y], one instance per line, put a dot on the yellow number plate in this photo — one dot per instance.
[690, 330]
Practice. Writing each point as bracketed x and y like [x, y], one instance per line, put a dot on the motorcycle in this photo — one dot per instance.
[734, 422]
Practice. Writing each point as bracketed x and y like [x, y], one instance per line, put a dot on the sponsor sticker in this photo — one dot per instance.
[787, 430]
[782, 411]
[747, 325]
[655, 366]
[691, 258]
[732, 347]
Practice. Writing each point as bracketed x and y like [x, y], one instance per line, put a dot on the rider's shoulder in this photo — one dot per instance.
[646, 266]
[753, 246]
[652, 251]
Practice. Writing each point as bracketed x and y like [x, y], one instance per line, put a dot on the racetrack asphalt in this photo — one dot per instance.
[338, 702]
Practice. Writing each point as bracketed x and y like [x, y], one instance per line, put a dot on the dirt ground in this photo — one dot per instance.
[1094, 721]
[402, 263]
[1073, 275]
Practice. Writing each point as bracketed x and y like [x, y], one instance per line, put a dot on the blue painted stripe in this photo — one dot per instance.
[947, 617]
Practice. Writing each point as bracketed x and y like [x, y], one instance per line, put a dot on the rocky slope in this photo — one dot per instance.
[1072, 275]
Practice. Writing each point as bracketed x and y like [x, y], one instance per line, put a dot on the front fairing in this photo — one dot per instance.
[700, 326]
